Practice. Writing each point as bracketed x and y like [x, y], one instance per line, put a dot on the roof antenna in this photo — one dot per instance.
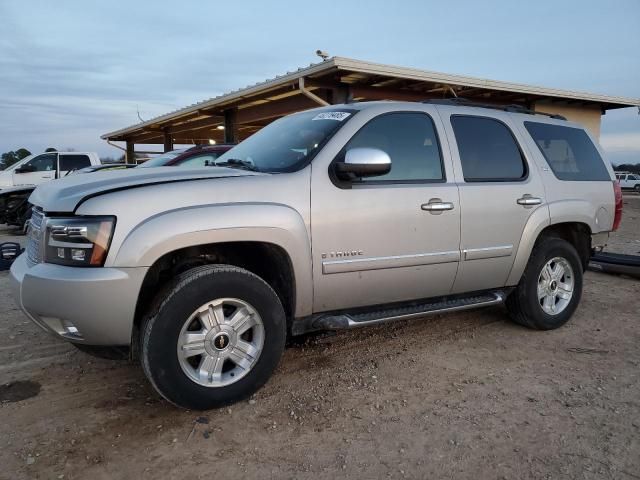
[322, 54]
[138, 112]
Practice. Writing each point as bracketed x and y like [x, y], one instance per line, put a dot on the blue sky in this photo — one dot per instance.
[73, 70]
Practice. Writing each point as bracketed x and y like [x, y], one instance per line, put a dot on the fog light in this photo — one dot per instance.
[61, 253]
[77, 254]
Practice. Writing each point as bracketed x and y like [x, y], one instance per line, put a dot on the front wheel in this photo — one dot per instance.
[215, 337]
[637, 188]
[550, 288]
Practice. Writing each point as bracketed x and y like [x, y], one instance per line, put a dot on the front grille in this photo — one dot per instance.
[34, 243]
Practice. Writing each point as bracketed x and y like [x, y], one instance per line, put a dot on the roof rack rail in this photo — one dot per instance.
[465, 102]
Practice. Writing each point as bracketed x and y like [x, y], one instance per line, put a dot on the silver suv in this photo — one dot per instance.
[338, 217]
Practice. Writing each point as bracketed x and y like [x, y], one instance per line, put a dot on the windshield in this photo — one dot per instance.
[288, 144]
[162, 159]
[19, 163]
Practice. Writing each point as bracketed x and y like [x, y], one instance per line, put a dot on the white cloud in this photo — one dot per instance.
[621, 142]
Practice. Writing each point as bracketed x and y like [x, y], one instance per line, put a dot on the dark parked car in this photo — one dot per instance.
[198, 156]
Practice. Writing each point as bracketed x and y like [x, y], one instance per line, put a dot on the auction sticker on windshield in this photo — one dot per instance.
[339, 116]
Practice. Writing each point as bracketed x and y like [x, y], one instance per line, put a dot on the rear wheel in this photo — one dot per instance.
[215, 338]
[551, 287]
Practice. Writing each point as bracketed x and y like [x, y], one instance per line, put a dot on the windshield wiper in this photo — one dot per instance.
[237, 163]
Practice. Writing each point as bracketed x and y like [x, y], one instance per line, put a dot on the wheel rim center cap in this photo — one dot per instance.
[221, 341]
[553, 286]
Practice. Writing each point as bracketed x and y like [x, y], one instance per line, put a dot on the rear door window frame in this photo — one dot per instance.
[523, 157]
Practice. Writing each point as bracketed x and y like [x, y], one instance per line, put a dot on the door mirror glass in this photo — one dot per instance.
[363, 162]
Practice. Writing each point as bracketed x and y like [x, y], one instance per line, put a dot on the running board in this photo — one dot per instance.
[415, 310]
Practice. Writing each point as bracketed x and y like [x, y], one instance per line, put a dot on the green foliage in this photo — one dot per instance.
[628, 167]
[9, 158]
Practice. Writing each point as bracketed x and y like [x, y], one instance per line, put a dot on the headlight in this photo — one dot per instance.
[78, 241]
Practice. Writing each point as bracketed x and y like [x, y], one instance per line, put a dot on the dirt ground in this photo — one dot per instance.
[467, 395]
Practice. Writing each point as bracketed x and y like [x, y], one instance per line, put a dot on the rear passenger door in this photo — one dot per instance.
[500, 189]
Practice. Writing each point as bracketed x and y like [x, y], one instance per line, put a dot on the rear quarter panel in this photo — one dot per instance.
[588, 202]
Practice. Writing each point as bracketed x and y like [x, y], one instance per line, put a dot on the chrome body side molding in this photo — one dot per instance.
[395, 261]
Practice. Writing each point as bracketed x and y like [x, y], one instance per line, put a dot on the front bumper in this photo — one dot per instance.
[94, 306]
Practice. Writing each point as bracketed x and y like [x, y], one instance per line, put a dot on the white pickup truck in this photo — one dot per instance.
[629, 181]
[43, 167]
[20, 179]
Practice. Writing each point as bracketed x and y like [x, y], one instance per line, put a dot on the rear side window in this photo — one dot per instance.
[410, 140]
[569, 152]
[73, 162]
[488, 150]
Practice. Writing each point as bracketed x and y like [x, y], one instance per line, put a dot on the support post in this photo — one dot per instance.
[231, 125]
[340, 94]
[130, 156]
[168, 142]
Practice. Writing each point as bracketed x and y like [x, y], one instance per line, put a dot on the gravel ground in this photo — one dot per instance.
[467, 395]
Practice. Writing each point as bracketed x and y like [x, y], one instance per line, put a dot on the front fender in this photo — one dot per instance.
[258, 222]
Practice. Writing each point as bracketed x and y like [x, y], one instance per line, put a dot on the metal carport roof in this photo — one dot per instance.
[235, 115]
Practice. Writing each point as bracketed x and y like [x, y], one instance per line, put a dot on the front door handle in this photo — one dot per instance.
[528, 200]
[436, 206]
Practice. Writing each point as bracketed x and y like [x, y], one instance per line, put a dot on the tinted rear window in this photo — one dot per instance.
[488, 150]
[569, 152]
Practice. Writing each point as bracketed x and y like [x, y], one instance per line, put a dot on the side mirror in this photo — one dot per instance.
[25, 169]
[363, 162]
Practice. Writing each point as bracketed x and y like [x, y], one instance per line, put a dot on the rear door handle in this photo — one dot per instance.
[528, 200]
[436, 206]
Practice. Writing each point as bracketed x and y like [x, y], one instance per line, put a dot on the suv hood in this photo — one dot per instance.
[65, 194]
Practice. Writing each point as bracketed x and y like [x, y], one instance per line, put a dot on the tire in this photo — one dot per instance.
[637, 188]
[185, 372]
[524, 304]
[105, 352]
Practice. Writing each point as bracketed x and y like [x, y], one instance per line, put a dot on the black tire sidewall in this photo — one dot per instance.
[548, 249]
[197, 287]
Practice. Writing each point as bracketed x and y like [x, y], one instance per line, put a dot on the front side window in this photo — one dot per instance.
[488, 150]
[569, 152]
[73, 162]
[42, 163]
[411, 142]
[288, 144]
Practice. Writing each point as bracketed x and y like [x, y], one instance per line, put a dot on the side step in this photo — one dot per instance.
[415, 310]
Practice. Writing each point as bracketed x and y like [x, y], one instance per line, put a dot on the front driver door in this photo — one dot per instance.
[38, 170]
[376, 240]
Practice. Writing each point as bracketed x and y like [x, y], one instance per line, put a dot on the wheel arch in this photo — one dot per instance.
[266, 260]
[577, 233]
